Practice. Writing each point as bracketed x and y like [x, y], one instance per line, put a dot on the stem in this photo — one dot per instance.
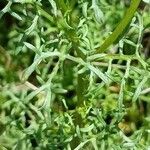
[82, 83]
[118, 32]
[81, 88]
[82, 78]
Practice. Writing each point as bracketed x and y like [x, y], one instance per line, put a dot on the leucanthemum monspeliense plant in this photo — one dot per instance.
[74, 74]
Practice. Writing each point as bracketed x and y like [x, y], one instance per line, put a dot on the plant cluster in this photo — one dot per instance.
[60, 88]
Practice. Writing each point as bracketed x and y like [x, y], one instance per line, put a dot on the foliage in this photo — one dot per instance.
[57, 92]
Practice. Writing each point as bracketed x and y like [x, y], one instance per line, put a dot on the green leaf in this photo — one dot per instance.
[15, 15]
[84, 9]
[97, 11]
[146, 1]
[87, 129]
[33, 25]
[53, 4]
[139, 88]
[5, 9]
[30, 46]
[98, 73]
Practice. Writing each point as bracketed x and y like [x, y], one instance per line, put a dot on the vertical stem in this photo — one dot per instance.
[82, 83]
[72, 36]
[81, 88]
[81, 80]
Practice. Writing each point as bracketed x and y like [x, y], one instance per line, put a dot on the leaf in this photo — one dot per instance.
[35, 92]
[33, 26]
[98, 73]
[146, 1]
[5, 9]
[81, 23]
[81, 145]
[139, 88]
[87, 129]
[130, 42]
[53, 4]
[93, 141]
[30, 69]
[16, 15]
[97, 11]
[82, 70]
[121, 28]
[30, 46]
[60, 90]
[84, 9]
[96, 56]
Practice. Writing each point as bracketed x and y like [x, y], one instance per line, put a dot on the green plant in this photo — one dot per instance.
[60, 88]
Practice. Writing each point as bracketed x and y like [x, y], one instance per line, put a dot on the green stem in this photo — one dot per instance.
[121, 27]
[82, 78]
[71, 34]
[81, 88]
